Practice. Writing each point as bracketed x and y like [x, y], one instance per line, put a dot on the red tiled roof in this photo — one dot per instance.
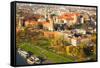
[68, 16]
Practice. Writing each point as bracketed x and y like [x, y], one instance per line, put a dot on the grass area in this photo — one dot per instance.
[38, 51]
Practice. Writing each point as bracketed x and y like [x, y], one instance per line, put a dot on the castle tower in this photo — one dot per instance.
[21, 22]
[51, 22]
[81, 19]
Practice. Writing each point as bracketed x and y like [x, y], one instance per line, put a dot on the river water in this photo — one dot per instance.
[20, 60]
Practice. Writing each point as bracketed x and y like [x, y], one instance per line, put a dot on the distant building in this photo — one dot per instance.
[81, 19]
[81, 31]
[20, 22]
[69, 18]
[92, 22]
[41, 20]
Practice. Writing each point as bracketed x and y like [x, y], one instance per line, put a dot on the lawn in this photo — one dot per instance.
[38, 51]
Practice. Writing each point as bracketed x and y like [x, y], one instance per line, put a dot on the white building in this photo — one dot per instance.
[74, 41]
[82, 31]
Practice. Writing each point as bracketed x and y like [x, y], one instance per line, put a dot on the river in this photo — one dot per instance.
[20, 60]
